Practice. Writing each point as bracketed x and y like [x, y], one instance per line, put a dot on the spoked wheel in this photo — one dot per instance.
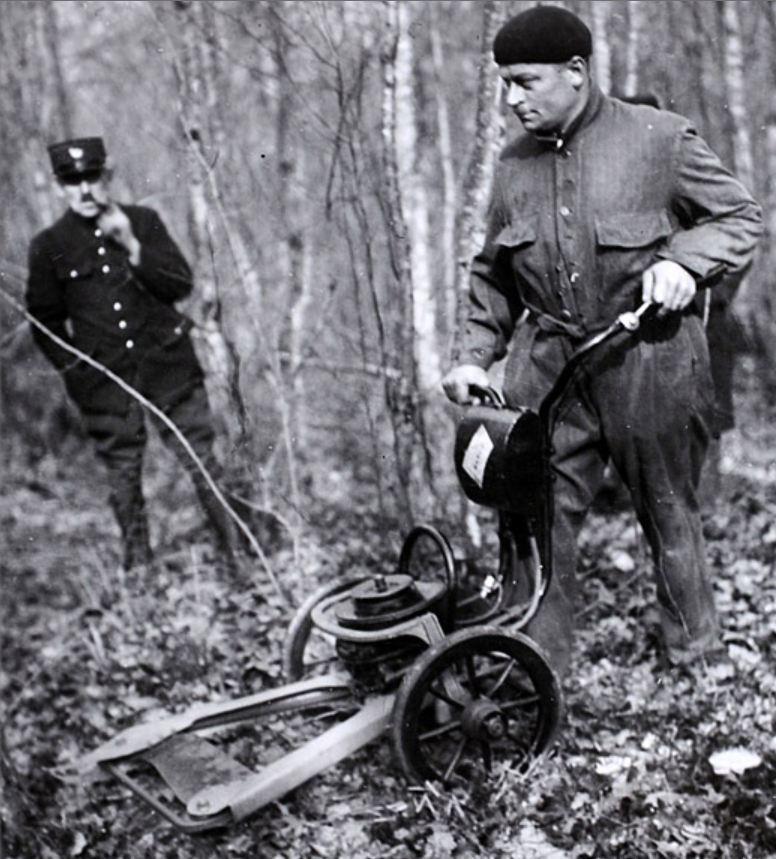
[306, 650]
[476, 696]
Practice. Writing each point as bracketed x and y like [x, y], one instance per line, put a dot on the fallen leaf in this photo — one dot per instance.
[612, 765]
[79, 842]
[736, 760]
[623, 561]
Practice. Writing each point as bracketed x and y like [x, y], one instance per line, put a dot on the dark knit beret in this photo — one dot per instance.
[543, 34]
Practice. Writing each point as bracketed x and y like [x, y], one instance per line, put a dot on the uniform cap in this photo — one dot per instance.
[542, 34]
[71, 158]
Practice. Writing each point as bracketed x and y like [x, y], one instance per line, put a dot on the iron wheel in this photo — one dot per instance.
[477, 695]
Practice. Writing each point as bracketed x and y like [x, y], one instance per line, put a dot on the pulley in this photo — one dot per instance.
[387, 600]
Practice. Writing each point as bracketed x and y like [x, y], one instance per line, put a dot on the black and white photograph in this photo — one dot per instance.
[388, 429]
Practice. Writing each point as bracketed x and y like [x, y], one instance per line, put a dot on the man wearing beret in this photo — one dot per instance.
[597, 206]
[105, 278]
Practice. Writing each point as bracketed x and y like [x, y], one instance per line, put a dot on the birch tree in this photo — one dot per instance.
[294, 267]
[203, 132]
[401, 391]
[735, 90]
[735, 86]
[635, 23]
[414, 204]
[445, 146]
[59, 121]
[478, 173]
[602, 56]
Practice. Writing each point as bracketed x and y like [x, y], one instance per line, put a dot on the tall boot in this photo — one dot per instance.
[220, 523]
[129, 508]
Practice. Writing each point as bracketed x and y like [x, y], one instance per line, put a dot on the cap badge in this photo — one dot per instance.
[75, 152]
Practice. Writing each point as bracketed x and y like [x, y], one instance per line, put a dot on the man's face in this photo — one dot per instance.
[544, 96]
[86, 193]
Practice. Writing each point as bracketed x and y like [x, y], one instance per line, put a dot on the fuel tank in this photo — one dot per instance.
[498, 457]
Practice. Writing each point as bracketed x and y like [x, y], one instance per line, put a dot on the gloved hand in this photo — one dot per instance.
[458, 381]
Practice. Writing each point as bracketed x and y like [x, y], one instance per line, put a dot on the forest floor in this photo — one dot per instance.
[87, 651]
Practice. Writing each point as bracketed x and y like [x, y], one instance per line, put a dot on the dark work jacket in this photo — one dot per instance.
[573, 224]
[82, 286]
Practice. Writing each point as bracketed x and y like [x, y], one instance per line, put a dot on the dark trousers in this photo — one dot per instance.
[120, 444]
[646, 402]
[724, 336]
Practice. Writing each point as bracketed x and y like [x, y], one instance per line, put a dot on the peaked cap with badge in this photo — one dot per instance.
[72, 158]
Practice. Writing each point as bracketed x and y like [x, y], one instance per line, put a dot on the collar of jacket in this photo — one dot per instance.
[74, 218]
[589, 112]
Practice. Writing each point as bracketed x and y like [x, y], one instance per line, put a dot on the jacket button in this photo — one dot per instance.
[101, 251]
[565, 211]
[98, 233]
[130, 344]
[122, 323]
[178, 330]
[73, 273]
[565, 314]
[106, 269]
[574, 277]
[117, 305]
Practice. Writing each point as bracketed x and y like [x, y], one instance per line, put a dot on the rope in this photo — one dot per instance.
[155, 410]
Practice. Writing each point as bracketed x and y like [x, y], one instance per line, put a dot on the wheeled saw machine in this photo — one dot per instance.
[430, 652]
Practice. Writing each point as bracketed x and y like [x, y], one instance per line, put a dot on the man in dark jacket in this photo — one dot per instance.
[105, 278]
[597, 206]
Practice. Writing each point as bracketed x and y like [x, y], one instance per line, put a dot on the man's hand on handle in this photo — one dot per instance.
[668, 284]
[458, 381]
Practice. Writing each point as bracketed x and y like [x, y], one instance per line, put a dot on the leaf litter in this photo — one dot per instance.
[650, 763]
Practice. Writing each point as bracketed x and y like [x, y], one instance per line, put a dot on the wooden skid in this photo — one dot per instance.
[246, 795]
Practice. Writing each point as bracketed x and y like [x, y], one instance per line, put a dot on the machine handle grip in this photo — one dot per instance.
[489, 395]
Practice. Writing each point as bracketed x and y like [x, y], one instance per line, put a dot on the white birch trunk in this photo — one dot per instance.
[478, 176]
[400, 393]
[635, 24]
[602, 57]
[735, 86]
[201, 122]
[735, 89]
[449, 195]
[413, 201]
[770, 144]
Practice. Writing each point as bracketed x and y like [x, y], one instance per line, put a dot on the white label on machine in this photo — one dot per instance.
[477, 455]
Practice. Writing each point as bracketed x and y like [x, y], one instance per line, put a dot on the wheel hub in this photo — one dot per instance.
[484, 720]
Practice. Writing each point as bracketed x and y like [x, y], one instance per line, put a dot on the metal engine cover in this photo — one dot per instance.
[498, 458]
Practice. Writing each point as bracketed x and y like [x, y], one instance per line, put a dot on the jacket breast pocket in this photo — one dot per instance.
[626, 244]
[518, 234]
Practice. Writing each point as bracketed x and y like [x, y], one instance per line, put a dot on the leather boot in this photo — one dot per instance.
[129, 509]
[220, 523]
